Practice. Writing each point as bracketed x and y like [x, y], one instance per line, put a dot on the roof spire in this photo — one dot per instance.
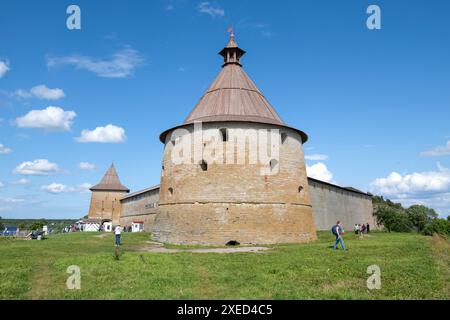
[231, 53]
[110, 182]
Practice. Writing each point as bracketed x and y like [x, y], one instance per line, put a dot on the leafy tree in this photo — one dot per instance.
[391, 215]
[393, 219]
[440, 226]
[22, 226]
[420, 216]
[37, 225]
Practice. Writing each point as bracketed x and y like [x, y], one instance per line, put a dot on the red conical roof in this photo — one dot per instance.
[233, 96]
[110, 182]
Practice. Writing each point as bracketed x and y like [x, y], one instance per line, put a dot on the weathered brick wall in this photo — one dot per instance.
[106, 205]
[331, 204]
[142, 207]
[147, 218]
[219, 223]
[235, 201]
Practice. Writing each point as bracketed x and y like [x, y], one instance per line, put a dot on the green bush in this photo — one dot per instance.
[37, 225]
[393, 219]
[439, 226]
[420, 216]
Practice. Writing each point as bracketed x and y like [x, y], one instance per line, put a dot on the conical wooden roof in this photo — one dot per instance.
[110, 182]
[233, 96]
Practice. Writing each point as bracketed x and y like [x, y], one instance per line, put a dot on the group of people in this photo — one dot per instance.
[338, 232]
[361, 229]
[71, 228]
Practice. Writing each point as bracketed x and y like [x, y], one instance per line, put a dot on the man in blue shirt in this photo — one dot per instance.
[338, 231]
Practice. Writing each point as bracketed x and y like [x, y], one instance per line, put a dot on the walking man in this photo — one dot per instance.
[117, 232]
[338, 231]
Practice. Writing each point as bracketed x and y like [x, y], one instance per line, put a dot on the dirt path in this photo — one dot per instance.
[441, 254]
[40, 283]
[160, 249]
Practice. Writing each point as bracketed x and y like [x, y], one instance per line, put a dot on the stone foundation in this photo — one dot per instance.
[246, 223]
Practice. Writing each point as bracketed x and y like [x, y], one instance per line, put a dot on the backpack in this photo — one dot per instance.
[333, 229]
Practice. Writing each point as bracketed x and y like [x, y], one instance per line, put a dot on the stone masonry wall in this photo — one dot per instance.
[142, 207]
[331, 204]
[231, 200]
[106, 205]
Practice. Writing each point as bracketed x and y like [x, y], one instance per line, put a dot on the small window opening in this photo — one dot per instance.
[273, 163]
[175, 140]
[233, 243]
[224, 134]
[300, 189]
[170, 192]
[283, 137]
[203, 165]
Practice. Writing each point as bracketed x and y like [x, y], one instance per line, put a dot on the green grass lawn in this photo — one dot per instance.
[412, 267]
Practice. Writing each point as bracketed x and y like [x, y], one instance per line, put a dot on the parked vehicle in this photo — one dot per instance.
[36, 234]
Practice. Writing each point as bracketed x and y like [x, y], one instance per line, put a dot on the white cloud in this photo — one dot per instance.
[417, 183]
[51, 118]
[319, 171]
[57, 188]
[206, 8]
[41, 92]
[10, 203]
[21, 182]
[4, 150]
[267, 34]
[2, 184]
[121, 65]
[316, 157]
[440, 202]
[86, 166]
[4, 68]
[40, 167]
[430, 188]
[20, 93]
[84, 188]
[438, 151]
[9, 200]
[107, 134]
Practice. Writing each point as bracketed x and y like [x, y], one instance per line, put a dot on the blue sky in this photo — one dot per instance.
[375, 103]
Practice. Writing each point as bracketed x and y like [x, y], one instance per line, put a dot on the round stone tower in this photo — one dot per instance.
[233, 171]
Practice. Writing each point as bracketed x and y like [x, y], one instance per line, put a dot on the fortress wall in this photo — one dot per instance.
[246, 223]
[140, 207]
[331, 203]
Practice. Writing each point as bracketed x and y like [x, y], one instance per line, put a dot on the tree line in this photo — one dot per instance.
[417, 218]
